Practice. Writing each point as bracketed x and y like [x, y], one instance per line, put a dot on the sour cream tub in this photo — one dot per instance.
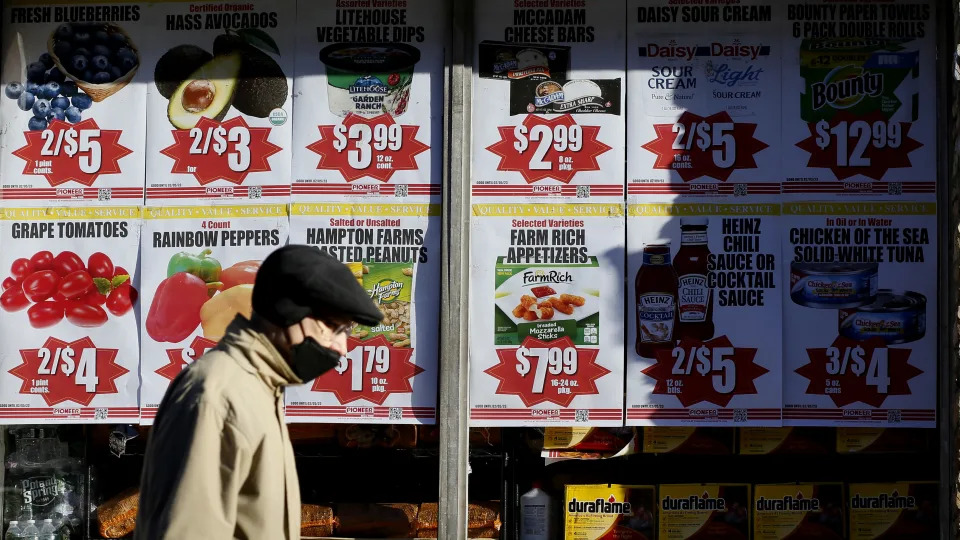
[369, 79]
[833, 285]
[895, 316]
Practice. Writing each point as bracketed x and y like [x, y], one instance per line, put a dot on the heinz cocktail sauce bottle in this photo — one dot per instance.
[694, 298]
[656, 292]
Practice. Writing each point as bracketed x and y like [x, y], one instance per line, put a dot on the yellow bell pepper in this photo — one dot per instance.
[218, 312]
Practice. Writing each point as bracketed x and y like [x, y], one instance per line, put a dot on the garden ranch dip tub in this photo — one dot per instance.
[833, 285]
[369, 79]
[895, 316]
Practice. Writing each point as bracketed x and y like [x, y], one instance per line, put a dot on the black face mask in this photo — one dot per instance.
[310, 360]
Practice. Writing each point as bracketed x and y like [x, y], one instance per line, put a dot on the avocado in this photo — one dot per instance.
[262, 85]
[176, 65]
[207, 92]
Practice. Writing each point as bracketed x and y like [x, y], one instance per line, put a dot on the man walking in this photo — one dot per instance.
[219, 463]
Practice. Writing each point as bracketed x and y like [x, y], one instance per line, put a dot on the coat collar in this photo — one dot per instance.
[255, 353]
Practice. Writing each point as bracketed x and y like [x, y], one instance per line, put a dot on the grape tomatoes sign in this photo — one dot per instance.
[371, 370]
[72, 372]
[368, 147]
[221, 151]
[541, 148]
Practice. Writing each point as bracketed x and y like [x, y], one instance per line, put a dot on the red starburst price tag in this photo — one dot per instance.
[80, 152]
[375, 147]
[714, 371]
[371, 370]
[539, 148]
[849, 371]
[869, 145]
[221, 151]
[181, 358]
[68, 371]
[555, 371]
[713, 146]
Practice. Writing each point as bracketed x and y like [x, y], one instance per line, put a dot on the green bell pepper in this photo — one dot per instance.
[201, 265]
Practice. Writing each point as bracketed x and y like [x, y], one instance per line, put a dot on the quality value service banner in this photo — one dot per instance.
[548, 114]
[389, 374]
[369, 99]
[219, 105]
[68, 327]
[199, 266]
[74, 93]
[861, 293]
[704, 314]
[546, 297]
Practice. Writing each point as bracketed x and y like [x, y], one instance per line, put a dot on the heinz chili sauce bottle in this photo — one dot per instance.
[694, 298]
[656, 292]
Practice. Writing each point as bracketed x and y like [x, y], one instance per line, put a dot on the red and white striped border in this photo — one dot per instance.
[217, 192]
[703, 415]
[65, 414]
[69, 193]
[364, 189]
[853, 188]
[360, 411]
[564, 414]
[855, 415]
[596, 190]
[694, 188]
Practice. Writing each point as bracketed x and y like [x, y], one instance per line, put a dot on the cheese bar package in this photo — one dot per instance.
[609, 511]
[884, 440]
[756, 441]
[893, 511]
[687, 440]
[798, 512]
[704, 512]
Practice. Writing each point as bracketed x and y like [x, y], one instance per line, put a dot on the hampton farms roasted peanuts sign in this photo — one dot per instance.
[547, 297]
[389, 373]
[548, 121]
[68, 345]
[199, 266]
[370, 115]
[219, 104]
[74, 95]
[704, 323]
[860, 288]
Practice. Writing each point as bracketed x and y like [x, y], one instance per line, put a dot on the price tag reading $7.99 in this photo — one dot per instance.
[552, 360]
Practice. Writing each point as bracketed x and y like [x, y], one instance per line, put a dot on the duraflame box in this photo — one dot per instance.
[703, 511]
[894, 511]
[687, 440]
[882, 441]
[755, 441]
[798, 511]
[610, 512]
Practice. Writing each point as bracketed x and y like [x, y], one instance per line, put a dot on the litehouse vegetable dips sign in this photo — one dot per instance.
[372, 116]
[199, 264]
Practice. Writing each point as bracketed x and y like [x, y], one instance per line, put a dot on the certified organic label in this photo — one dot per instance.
[218, 102]
[200, 264]
[371, 125]
[542, 343]
[74, 95]
[389, 373]
[67, 315]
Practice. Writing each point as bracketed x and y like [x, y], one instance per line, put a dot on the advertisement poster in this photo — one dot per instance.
[859, 98]
[73, 128]
[705, 99]
[219, 106]
[548, 101]
[389, 374]
[68, 327]
[703, 314]
[546, 325]
[199, 266]
[862, 293]
[369, 99]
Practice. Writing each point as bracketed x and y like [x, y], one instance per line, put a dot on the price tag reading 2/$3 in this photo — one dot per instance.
[237, 138]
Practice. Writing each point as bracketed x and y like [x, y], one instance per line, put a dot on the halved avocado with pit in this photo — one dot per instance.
[207, 92]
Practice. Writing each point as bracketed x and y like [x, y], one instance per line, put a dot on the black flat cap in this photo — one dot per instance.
[298, 281]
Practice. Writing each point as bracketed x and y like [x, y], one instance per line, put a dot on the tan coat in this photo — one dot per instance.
[219, 463]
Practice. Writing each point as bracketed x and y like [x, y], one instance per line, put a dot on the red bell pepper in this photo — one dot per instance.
[175, 311]
[242, 273]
